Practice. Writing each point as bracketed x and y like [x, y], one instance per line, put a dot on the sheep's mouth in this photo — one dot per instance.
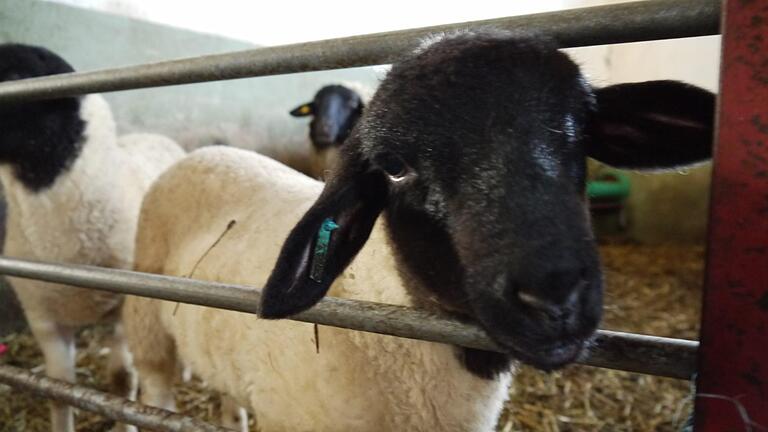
[550, 356]
[323, 141]
[537, 345]
[547, 355]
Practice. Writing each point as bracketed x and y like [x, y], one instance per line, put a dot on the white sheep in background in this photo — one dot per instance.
[474, 150]
[73, 192]
[335, 110]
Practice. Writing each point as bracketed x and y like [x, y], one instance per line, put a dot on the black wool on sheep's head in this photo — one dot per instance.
[335, 110]
[40, 139]
[474, 148]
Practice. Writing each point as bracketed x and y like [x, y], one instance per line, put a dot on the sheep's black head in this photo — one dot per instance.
[335, 111]
[39, 138]
[474, 148]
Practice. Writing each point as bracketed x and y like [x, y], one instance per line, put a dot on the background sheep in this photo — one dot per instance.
[335, 110]
[73, 192]
[477, 163]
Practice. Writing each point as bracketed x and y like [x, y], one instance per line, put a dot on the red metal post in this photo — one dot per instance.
[732, 387]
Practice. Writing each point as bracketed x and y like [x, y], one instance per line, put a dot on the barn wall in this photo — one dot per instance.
[672, 206]
[248, 113]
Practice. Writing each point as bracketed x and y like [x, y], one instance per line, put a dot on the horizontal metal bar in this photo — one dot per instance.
[653, 355]
[625, 22]
[105, 404]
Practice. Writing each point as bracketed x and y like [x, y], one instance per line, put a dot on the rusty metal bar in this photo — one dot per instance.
[653, 355]
[625, 22]
[107, 405]
[732, 383]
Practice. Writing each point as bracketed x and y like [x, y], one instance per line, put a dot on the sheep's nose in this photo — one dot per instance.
[551, 310]
[556, 294]
[326, 129]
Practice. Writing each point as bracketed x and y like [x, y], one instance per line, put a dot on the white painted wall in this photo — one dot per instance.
[671, 206]
[295, 21]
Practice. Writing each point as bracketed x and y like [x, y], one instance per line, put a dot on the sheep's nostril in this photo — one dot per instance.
[556, 310]
[546, 309]
[327, 129]
[532, 300]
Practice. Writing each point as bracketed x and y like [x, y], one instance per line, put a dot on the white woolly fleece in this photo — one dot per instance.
[87, 216]
[357, 382]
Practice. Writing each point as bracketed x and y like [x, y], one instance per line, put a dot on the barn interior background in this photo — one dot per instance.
[654, 272]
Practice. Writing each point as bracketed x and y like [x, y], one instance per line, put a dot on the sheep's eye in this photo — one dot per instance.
[393, 165]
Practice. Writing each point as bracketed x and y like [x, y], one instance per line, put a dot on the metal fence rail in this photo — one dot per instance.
[626, 22]
[668, 357]
[110, 406]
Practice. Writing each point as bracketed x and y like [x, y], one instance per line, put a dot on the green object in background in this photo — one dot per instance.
[609, 186]
[607, 193]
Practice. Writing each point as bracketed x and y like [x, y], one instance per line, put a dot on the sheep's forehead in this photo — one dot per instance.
[338, 92]
[431, 102]
[460, 64]
[426, 42]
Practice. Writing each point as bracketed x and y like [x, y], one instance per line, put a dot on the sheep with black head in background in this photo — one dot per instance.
[473, 150]
[335, 110]
[73, 191]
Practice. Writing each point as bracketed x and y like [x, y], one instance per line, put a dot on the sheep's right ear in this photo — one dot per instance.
[303, 110]
[325, 241]
[652, 125]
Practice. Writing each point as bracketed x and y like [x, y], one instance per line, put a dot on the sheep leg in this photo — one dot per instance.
[58, 345]
[185, 373]
[233, 416]
[155, 362]
[155, 382]
[153, 350]
[122, 379]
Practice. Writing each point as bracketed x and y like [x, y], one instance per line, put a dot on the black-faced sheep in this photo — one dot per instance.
[335, 110]
[474, 151]
[73, 192]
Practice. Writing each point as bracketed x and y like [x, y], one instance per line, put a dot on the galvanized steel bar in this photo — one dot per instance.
[653, 355]
[107, 405]
[625, 22]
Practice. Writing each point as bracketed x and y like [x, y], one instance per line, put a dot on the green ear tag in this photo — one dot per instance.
[321, 249]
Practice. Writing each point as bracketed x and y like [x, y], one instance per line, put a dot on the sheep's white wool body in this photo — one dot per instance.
[357, 382]
[87, 216]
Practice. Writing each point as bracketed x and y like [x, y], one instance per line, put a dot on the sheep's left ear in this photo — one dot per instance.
[325, 241]
[652, 125]
[303, 110]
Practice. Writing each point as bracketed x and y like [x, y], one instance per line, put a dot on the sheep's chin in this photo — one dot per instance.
[548, 357]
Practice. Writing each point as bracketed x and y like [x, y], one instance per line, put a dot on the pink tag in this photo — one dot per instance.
[3, 349]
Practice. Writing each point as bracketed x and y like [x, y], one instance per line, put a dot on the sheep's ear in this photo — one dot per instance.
[304, 110]
[652, 125]
[324, 242]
